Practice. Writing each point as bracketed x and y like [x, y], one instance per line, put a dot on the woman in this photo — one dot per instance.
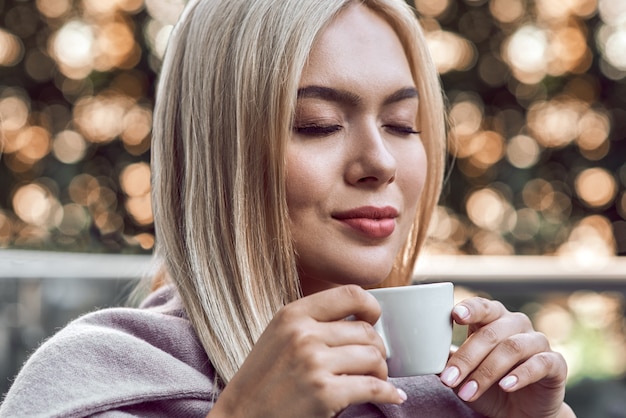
[297, 157]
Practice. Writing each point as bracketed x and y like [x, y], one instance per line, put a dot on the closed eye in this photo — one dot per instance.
[316, 130]
[401, 130]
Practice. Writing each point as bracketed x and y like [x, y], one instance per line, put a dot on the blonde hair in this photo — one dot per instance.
[224, 110]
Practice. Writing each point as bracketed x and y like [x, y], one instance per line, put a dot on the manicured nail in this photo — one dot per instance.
[450, 375]
[468, 390]
[508, 382]
[402, 394]
[461, 311]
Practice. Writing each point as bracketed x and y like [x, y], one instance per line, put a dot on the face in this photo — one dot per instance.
[355, 162]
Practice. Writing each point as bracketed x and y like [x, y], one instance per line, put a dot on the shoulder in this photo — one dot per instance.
[110, 359]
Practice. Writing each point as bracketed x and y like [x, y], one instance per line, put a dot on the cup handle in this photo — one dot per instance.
[380, 329]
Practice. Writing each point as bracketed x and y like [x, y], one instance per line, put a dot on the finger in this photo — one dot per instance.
[340, 333]
[549, 366]
[478, 346]
[340, 302]
[504, 357]
[478, 311]
[355, 360]
[364, 389]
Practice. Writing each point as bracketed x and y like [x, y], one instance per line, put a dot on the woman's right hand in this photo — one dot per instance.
[311, 362]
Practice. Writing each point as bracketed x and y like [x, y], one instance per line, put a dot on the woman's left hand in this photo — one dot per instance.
[505, 368]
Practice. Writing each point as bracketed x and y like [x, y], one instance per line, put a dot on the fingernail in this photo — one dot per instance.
[461, 311]
[508, 382]
[402, 394]
[468, 390]
[450, 375]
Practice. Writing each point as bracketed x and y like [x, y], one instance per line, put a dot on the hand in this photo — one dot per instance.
[311, 362]
[505, 368]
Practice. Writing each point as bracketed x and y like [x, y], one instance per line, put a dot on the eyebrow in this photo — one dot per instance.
[348, 98]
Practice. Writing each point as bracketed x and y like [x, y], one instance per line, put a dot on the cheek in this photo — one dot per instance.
[413, 176]
[309, 179]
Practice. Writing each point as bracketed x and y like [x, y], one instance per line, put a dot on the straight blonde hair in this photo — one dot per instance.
[223, 116]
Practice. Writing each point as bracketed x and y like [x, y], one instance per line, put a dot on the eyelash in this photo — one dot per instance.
[317, 130]
[326, 130]
[402, 130]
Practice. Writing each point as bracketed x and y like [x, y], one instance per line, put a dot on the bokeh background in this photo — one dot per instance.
[536, 91]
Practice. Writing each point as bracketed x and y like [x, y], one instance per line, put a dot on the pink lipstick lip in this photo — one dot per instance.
[371, 221]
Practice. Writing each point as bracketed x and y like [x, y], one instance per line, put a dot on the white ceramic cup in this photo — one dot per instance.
[416, 327]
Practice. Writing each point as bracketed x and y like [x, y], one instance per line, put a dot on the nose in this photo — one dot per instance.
[371, 162]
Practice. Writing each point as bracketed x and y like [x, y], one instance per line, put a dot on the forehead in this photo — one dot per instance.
[358, 44]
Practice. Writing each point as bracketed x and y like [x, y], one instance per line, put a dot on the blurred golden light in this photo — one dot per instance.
[34, 204]
[590, 244]
[165, 11]
[559, 209]
[612, 11]
[546, 197]
[102, 200]
[145, 240]
[35, 142]
[554, 123]
[595, 310]
[446, 227]
[488, 149]
[555, 322]
[466, 117]
[11, 49]
[527, 53]
[432, 8]
[561, 10]
[114, 43]
[507, 11]
[599, 224]
[488, 209]
[615, 47]
[53, 8]
[522, 151]
[527, 224]
[100, 119]
[69, 147]
[491, 243]
[161, 39]
[596, 187]
[440, 227]
[14, 112]
[594, 130]
[140, 208]
[73, 48]
[83, 189]
[568, 49]
[450, 51]
[135, 179]
[538, 194]
[108, 222]
[74, 221]
[98, 7]
[6, 229]
[137, 124]
[130, 6]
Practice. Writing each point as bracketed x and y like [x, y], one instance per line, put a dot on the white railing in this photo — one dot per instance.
[485, 272]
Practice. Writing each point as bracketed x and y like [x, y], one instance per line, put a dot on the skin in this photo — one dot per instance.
[310, 361]
[355, 144]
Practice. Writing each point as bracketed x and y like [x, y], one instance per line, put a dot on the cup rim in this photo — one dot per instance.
[421, 286]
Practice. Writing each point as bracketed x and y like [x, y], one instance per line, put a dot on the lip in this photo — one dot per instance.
[370, 221]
